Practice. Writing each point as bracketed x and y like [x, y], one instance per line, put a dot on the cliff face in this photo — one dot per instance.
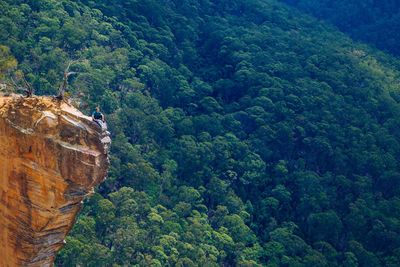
[51, 157]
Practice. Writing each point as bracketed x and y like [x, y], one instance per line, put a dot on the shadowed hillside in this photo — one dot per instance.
[374, 22]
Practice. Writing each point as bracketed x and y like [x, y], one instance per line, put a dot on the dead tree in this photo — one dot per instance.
[64, 86]
[27, 88]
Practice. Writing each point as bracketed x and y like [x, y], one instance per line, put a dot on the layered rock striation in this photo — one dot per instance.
[51, 157]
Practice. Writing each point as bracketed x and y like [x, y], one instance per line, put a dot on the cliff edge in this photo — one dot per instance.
[51, 157]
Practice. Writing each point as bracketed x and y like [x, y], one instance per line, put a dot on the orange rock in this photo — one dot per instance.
[51, 157]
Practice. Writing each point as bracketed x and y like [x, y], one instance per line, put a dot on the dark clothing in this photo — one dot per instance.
[98, 118]
[97, 115]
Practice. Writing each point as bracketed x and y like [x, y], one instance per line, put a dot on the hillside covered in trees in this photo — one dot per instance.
[375, 21]
[244, 132]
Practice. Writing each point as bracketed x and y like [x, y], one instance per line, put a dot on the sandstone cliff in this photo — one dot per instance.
[51, 157]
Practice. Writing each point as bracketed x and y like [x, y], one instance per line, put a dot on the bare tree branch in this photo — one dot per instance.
[27, 88]
[64, 86]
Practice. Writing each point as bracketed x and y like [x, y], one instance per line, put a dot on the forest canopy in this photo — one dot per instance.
[245, 133]
[376, 22]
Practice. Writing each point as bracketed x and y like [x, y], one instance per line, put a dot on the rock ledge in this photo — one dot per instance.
[51, 157]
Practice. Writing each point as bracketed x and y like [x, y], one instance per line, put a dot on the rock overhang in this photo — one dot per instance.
[51, 157]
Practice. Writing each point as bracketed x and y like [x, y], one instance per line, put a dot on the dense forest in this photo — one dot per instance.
[245, 133]
[374, 21]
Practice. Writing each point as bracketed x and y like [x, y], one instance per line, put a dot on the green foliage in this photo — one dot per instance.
[244, 133]
[374, 22]
[7, 61]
